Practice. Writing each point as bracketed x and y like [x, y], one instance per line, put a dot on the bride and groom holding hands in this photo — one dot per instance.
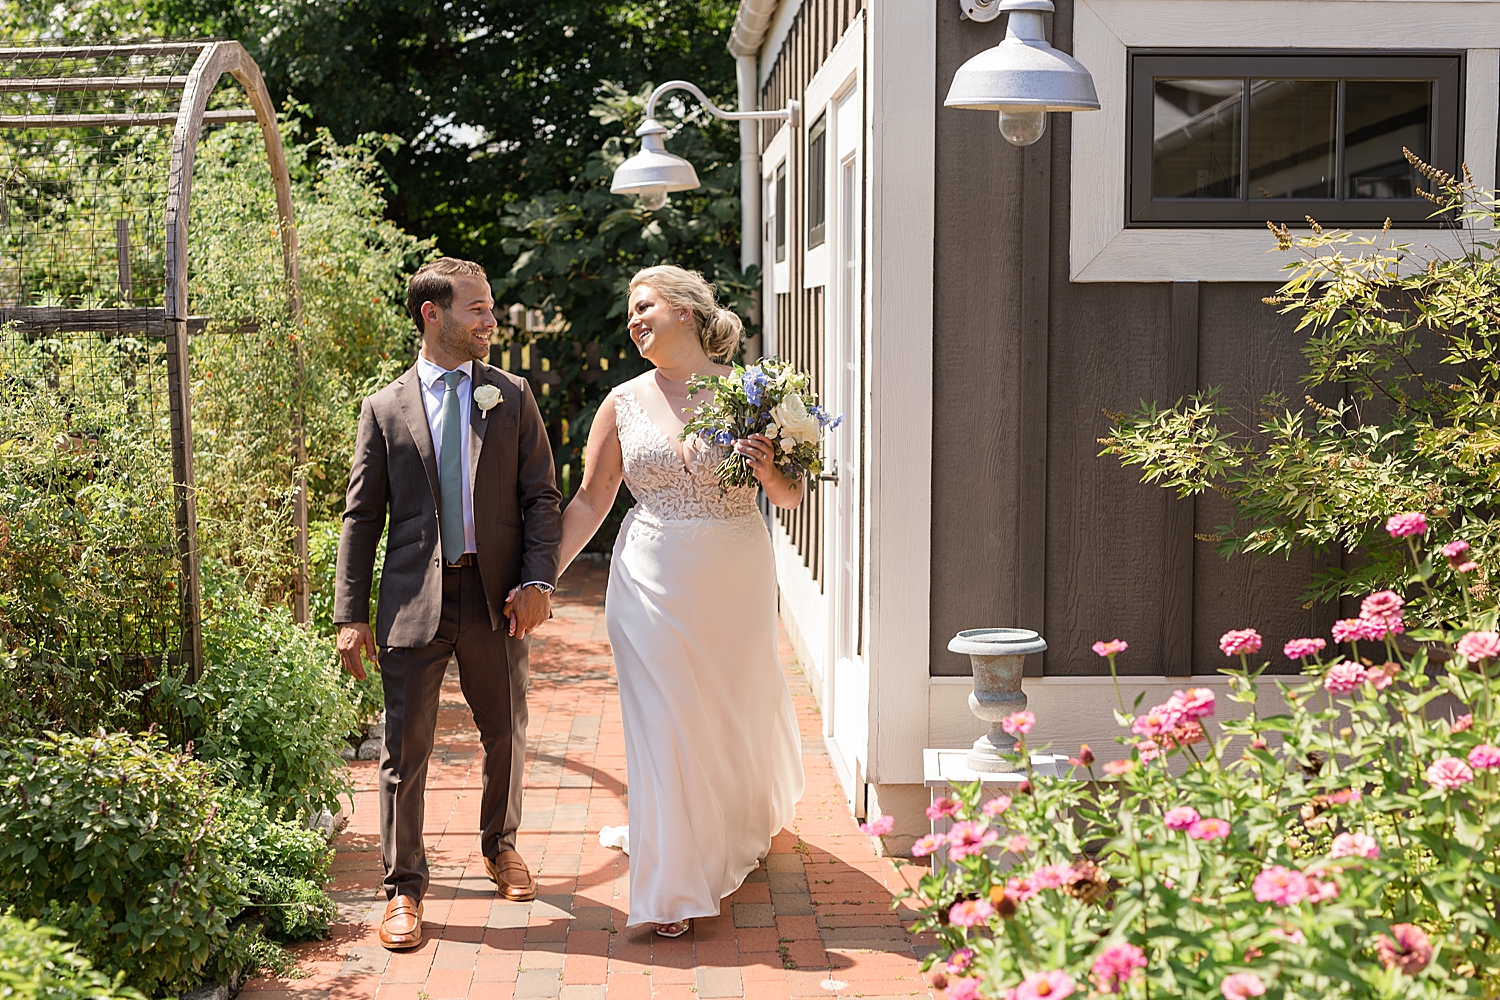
[454, 455]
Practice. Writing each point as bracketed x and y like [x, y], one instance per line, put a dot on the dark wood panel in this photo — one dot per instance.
[1177, 596]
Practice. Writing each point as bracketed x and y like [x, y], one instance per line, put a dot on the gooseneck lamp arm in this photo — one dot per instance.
[792, 113]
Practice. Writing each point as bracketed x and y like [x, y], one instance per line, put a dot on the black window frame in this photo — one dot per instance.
[1445, 67]
[779, 226]
[817, 182]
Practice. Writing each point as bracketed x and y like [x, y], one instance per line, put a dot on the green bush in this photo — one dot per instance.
[323, 547]
[282, 868]
[119, 840]
[37, 963]
[272, 710]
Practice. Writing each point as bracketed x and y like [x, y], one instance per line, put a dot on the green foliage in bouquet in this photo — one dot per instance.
[1349, 847]
[38, 963]
[770, 398]
[1409, 338]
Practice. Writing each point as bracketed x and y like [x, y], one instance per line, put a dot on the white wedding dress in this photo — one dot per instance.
[712, 754]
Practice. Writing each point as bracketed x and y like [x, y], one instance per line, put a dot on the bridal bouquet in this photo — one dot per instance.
[769, 398]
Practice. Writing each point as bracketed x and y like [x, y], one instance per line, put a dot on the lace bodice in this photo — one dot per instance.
[661, 483]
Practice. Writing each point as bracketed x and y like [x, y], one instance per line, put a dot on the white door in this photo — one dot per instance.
[850, 681]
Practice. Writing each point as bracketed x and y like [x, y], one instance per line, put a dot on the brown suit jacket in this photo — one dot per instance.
[517, 521]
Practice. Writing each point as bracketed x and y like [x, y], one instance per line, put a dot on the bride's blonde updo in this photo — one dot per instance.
[719, 329]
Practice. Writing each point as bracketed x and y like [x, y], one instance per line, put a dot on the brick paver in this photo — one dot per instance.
[814, 921]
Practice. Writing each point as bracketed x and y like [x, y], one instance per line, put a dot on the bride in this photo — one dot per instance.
[712, 754]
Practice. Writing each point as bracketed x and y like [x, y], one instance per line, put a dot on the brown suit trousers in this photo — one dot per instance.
[428, 613]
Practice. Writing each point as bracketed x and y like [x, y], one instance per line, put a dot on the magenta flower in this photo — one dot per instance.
[1344, 677]
[1238, 641]
[1194, 703]
[1344, 795]
[1484, 757]
[928, 844]
[1280, 885]
[1354, 845]
[960, 960]
[1052, 876]
[1115, 965]
[1019, 844]
[1354, 630]
[1408, 949]
[1242, 986]
[1021, 889]
[969, 837]
[1149, 750]
[1449, 773]
[1157, 720]
[1480, 646]
[1018, 722]
[1111, 648]
[1298, 648]
[1052, 985]
[1454, 551]
[1462, 723]
[942, 807]
[1209, 829]
[970, 913]
[962, 988]
[994, 807]
[879, 826]
[1383, 606]
[1380, 677]
[1468, 567]
[1320, 889]
[1181, 817]
[1406, 525]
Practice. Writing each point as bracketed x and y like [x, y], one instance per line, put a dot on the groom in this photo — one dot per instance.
[456, 450]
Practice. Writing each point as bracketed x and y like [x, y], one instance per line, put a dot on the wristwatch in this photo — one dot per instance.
[545, 588]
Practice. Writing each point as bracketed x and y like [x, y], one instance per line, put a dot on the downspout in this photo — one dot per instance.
[751, 23]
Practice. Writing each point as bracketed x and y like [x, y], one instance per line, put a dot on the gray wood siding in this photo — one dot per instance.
[1030, 527]
[815, 30]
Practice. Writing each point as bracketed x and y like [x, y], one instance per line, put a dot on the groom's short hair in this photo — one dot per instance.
[433, 283]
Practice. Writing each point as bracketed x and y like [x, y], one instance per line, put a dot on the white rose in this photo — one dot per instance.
[486, 397]
[792, 417]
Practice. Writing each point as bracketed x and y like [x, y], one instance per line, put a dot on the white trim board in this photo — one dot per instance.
[778, 151]
[802, 599]
[839, 72]
[1102, 249]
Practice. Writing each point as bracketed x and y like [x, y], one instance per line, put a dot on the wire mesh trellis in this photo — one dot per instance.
[98, 535]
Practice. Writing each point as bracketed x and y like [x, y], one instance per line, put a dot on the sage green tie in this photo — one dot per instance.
[451, 473]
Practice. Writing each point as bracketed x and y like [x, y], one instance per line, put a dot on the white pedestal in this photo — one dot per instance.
[943, 770]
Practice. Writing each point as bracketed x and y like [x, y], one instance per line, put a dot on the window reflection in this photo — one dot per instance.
[1293, 127]
[1380, 117]
[1196, 130]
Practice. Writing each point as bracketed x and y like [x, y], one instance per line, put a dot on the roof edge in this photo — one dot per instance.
[752, 22]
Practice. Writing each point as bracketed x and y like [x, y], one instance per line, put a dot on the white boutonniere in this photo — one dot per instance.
[486, 397]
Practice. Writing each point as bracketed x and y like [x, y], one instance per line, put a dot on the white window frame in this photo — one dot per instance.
[779, 272]
[837, 74]
[1103, 249]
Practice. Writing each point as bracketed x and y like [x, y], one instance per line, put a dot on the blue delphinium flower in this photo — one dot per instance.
[724, 437]
[755, 385]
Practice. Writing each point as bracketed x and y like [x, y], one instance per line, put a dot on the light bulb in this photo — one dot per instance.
[653, 199]
[1023, 126]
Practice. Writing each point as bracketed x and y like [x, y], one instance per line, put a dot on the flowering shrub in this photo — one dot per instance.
[1351, 849]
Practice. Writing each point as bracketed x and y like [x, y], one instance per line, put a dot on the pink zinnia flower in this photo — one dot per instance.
[1406, 525]
[1344, 677]
[1353, 630]
[943, 807]
[1484, 757]
[994, 807]
[879, 826]
[926, 845]
[962, 988]
[1115, 965]
[960, 960]
[1449, 773]
[1454, 551]
[970, 913]
[1280, 885]
[1111, 648]
[1242, 986]
[1290, 934]
[1085, 757]
[1298, 648]
[1019, 844]
[1382, 606]
[1381, 677]
[1118, 767]
[1480, 646]
[969, 837]
[1344, 795]
[1209, 829]
[1321, 889]
[1021, 889]
[1194, 703]
[1157, 720]
[1149, 750]
[1462, 723]
[1408, 949]
[1181, 817]
[1052, 876]
[1468, 567]
[1237, 641]
[1018, 722]
[1189, 732]
[1053, 985]
[1354, 845]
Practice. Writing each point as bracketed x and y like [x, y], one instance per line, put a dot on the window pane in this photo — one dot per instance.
[817, 181]
[1292, 138]
[1196, 138]
[781, 213]
[1380, 117]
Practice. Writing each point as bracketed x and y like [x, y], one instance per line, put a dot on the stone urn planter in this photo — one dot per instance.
[997, 655]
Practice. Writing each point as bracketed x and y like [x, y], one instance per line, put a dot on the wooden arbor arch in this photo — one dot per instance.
[173, 320]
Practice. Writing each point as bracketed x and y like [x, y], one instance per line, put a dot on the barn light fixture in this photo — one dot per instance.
[1023, 77]
[653, 173]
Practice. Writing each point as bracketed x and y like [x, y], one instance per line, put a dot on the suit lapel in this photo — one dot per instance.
[409, 393]
[478, 421]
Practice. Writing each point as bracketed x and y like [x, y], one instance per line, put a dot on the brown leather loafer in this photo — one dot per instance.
[511, 876]
[401, 927]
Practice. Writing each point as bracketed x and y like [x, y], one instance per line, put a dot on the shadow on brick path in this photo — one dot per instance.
[814, 921]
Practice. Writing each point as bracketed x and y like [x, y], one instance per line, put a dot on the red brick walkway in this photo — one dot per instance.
[815, 921]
